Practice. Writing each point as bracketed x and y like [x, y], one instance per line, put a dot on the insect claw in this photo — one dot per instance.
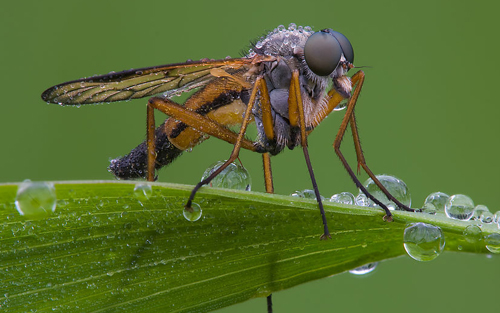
[388, 218]
[325, 236]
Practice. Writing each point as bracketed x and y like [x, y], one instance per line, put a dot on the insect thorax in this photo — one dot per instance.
[286, 45]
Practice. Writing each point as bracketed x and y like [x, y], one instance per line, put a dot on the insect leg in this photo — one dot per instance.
[189, 117]
[362, 163]
[151, 150]
[296, 115]
[240, 142]
[268, 178]
[270, 303]
[268, 175]
[358, 79]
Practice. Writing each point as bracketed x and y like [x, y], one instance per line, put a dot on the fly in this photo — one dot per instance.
[287, 84]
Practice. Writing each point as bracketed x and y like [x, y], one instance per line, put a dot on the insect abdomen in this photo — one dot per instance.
[134, 165]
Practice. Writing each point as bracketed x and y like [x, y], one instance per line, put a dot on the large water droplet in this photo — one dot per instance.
[142, 191]
[36, 199]
[194, 213]
[343, 197]
[459, 207]
[233, 177]
[435, 202]
[365, 269]
[493, 242]
[423, 242]
[394, 185]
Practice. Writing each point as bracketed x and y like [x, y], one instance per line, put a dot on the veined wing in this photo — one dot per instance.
[139, 83]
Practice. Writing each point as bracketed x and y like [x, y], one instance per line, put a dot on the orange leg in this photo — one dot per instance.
[268, 175]
[237, 145]
[349, 117]
[190, 118]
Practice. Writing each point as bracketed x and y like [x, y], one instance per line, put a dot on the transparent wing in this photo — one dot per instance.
[139, 83]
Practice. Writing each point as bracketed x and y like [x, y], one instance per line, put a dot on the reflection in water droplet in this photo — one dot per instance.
[459, 207]
[482, 214]
[342, 105]
[435, 202]
[36, 199]
[142, 191]
[472, 233]
[394, 185]
[194, 213]
[423, 242]
[365, 269]
[493, 242]
[343, 197]
[232, 177]
[496, 217]
[362, 200]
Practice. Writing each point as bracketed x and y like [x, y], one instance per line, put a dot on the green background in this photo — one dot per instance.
[428, 114]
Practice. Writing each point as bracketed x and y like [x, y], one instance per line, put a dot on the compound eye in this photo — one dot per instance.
[322, 53]
[345, 44]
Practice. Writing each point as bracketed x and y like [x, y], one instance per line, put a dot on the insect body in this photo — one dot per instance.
[288, 83]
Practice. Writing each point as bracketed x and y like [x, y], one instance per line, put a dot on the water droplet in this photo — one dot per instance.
[496, 217]
[472, 233]
[306, 193]
[343, 197]
[233, 177]
[194, 213]
[362, 200]
[459, 207]
[36, 199]
[435, 202]
[342, 105]
[423, 242]
[482, 214]
[394, 185]
[493, 242]
[142, 191]
[365, 269]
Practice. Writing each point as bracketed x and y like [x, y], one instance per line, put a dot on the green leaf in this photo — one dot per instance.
[106, 248]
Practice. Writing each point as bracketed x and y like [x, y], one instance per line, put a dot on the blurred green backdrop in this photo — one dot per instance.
[428, 114]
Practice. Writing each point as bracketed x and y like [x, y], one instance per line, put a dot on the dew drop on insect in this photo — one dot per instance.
[233, 177]
[493, 243]
[343, 197]
[194, 213]
[142, 191]
[423, 242]
[459, 207]
[394, 185]
[472, 233]
[435, 202]
[36, 199]
[342, 105]
[482, 214]
[365, 269]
